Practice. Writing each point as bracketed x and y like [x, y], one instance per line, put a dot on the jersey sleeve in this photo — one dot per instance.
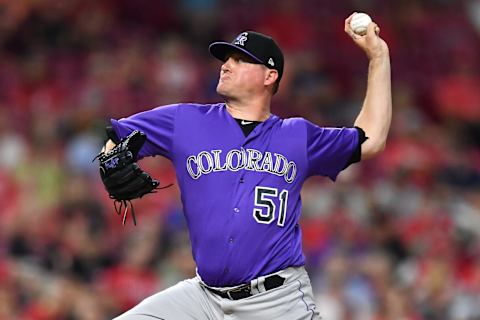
[329, 149]
[159, 126]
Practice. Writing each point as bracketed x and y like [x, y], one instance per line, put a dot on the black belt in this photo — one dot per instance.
[245, 291]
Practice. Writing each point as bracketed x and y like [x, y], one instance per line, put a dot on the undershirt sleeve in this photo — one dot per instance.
[357, 154]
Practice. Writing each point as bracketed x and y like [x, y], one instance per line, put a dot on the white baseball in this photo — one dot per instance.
[359, 23]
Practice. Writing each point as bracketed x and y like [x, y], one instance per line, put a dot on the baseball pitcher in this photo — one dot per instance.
[240, 170]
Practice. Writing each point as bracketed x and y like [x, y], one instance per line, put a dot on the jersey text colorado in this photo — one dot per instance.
[206, 162]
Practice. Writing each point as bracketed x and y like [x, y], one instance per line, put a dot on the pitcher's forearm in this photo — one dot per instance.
[376, 113]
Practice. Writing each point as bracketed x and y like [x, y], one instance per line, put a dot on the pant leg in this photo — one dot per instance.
[184, 301]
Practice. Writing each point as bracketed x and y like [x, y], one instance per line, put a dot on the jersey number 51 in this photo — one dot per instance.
[264, 198]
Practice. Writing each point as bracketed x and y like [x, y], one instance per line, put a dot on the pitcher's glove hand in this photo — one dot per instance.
[121, 175]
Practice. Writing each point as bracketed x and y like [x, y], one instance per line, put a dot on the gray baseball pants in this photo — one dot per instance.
[191, 300]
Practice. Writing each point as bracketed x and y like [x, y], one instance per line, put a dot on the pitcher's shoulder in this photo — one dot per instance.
[294, 123]
[199, 108]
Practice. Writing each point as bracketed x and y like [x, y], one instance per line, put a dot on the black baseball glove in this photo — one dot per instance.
[121, 175]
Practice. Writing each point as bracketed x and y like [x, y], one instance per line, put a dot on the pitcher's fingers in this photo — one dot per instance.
[348, 28]
[373, 29]
[347, 23]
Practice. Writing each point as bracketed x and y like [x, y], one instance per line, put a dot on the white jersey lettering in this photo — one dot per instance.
[206, 162]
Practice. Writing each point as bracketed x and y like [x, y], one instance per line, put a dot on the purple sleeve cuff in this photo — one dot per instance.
[119, 129]
[122, 131]
[158, 125]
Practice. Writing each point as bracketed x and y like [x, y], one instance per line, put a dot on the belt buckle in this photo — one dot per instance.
[239, 289]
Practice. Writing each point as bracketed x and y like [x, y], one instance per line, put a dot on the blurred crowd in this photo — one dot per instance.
[396, 237]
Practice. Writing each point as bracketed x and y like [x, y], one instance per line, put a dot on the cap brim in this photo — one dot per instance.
[220, 50]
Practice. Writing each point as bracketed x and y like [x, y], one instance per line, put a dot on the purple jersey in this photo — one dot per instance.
[241, 195]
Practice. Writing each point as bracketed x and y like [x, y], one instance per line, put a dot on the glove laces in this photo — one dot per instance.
[121, 206]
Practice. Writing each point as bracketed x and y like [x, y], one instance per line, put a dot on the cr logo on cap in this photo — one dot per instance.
[242, 37]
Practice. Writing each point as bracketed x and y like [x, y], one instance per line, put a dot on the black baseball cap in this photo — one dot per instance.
[260, 47]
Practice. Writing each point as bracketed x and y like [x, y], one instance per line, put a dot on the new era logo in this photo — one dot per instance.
[270, 62]
[240, 40]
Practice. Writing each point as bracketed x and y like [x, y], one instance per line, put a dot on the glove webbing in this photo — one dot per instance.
[119, 205]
